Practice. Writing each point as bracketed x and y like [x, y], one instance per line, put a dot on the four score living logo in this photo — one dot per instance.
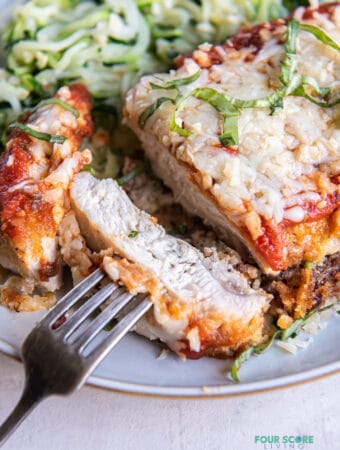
[284, 442]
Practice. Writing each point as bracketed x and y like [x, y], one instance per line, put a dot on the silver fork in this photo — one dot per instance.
[60, 353]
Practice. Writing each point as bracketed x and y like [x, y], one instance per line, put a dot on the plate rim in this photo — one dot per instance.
[228, 390]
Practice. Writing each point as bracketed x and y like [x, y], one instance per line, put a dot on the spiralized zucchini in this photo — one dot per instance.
[110, 44]
[12, 94]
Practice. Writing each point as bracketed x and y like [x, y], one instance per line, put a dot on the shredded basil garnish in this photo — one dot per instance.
[244, 356]
[225, 106]
[173, 120]
[151, 109]
[133, 234]
[323, 103]
[230, 130]
[89, 168]
[158, 86]
[297, 324]
[59, 102]
[282, 335]
[230, 107]
[174, 84]
[320, 35]
[52, 138]
[289, 63]
[168, 85]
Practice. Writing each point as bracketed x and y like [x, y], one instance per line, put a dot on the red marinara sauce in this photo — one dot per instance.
[230, 149]
[271, 244]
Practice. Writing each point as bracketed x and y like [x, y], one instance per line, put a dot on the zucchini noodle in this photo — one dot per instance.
[109, 44]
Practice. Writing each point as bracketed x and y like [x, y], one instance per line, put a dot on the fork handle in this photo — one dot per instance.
[29, 400]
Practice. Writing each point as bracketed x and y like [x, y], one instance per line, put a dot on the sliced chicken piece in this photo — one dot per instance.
[202, 306]
[34, 178]
[242, 147]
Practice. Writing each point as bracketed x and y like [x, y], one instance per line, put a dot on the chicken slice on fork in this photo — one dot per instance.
[202, 305]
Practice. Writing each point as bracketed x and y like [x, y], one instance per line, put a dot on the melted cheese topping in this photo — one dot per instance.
[284, 162]
[34, 180]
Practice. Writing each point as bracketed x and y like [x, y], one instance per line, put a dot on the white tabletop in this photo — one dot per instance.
[94, 419]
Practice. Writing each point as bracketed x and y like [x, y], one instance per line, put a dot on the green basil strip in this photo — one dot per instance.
[221, 102]
[52, 138]
[133, 234]
[292, 31]
[324, 93]
[288, 65]
[230, 106]
[282, 335]
[322, 104]
[57, 101]
[244, 356]
[226, 106]
[176, 128]
[230, 131]
[174, 84]
[88, 168]
[297, 324]
[151, 109]
[320, 35]
[173, 125]
[293, 329]
[310, 81]
[158, 86]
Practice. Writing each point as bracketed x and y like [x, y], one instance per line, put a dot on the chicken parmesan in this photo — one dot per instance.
[36, 169]
[247, 136]
[202, 305]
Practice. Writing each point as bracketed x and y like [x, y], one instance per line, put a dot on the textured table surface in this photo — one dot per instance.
[97, 419]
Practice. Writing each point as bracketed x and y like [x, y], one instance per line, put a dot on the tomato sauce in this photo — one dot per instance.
[272, 243]
[325, 9]
[16, 161]
[231, 150]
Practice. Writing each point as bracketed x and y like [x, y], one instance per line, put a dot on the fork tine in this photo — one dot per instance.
[82, 313]
[104, 318]
[72, 297]
[53, 364]
[118, 332]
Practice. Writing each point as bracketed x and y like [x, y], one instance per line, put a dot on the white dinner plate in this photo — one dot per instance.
[133, 365]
